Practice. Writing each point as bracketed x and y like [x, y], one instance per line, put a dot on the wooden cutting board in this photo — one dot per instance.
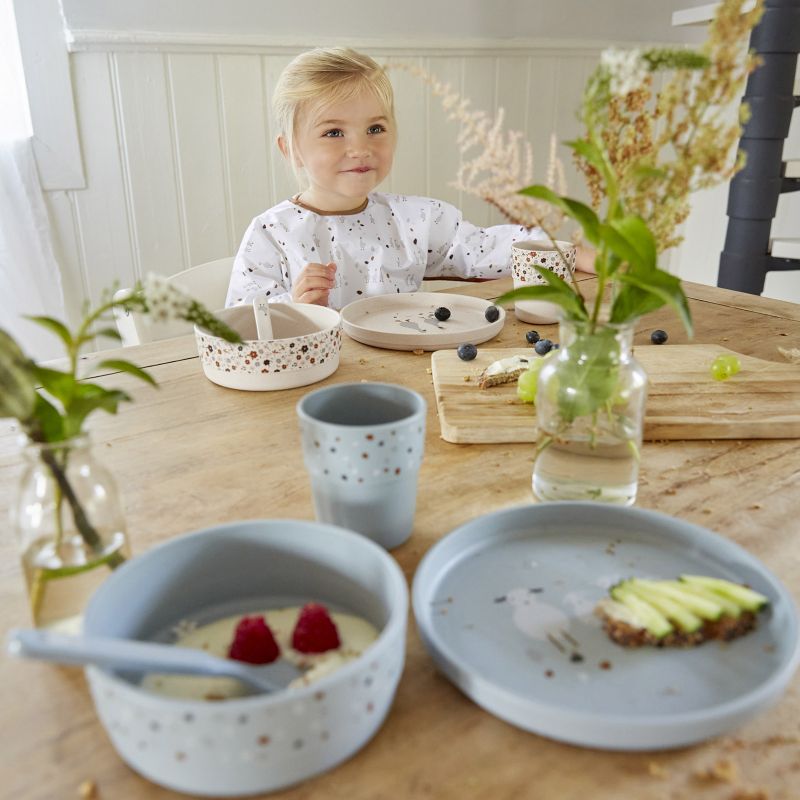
[683, 401]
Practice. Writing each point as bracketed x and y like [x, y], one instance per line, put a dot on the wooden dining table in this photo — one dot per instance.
[192, 454]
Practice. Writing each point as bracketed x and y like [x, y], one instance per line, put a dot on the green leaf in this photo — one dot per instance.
[664, 286]
[580, 212]
[58, 328]
[631, 302]
[48, 424]
[587, 382]
[131, 369]
[88, 398]
[569, 301]
[17, 382]
[638, 236]
[60, 385]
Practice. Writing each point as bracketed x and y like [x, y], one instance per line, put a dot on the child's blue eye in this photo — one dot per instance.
[333, 133]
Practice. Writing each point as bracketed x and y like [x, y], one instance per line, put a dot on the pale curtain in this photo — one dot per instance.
[30, 280]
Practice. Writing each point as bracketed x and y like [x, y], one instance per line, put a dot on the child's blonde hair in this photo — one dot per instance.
[325, 76]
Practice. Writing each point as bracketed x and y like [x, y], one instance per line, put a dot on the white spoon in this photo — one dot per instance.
[146, 657]
[261, 312]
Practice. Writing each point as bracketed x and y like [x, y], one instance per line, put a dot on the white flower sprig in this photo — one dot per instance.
[164, 301]
[626, 70]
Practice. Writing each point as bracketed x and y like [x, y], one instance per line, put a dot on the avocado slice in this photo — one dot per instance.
[651, 619]
[673, 610]
[705, 607]
[745, 598]
[729, 608]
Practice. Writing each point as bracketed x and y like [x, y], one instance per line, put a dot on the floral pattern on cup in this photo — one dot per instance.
[270, 356]
[364, 455]
[525, 254]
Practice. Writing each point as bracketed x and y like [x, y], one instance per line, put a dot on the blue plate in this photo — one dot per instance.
[504, 606]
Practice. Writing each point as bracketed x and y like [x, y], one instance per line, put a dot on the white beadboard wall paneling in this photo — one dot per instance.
[443, 155]
[146, 121]
[479, 85]
[246, 141]
[409, 173]
[199, 158]
[106, 249]
[284, 182]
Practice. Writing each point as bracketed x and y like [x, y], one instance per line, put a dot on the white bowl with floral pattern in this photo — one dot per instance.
[304, 349]
[263, 742]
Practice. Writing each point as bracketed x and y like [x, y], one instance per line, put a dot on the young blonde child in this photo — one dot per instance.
[338, 240]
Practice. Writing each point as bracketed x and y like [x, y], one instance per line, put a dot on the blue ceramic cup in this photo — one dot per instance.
[363, 445]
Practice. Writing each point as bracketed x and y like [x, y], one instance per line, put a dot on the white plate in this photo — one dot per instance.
[406, 321]
[488, 594]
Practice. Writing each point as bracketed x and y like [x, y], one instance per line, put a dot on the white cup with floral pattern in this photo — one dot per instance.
[363, 445]
[543, 253]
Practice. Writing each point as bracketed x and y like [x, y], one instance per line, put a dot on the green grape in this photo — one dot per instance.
[527, 384]
[732, 362]
[724, 366]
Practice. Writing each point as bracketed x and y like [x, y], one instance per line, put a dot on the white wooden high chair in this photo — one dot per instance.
[206, 283]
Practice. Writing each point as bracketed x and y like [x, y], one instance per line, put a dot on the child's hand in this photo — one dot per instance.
[314, 283]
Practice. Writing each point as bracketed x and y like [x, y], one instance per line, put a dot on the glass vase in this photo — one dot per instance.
[70, 529]
[590, 406]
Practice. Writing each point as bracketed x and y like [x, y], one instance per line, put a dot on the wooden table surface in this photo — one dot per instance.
[192, 454]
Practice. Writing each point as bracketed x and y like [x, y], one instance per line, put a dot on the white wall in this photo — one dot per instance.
[303, 20]
[176, 140]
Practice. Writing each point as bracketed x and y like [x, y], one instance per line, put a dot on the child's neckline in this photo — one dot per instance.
[298, 202]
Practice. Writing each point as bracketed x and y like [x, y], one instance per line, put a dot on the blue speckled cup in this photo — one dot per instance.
[363, 445]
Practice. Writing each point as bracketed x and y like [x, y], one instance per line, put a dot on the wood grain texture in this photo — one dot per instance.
[192, 454]
[683, 401]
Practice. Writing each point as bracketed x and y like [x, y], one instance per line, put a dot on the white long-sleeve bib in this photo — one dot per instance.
[388, 247]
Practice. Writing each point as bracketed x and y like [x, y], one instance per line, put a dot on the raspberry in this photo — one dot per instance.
[315, 631]
[253, 642]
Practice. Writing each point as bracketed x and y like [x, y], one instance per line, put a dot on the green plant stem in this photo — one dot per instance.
[82, 523]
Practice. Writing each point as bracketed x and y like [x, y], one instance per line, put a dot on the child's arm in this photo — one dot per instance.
[314, 283]
[584, 258]
[261, 265]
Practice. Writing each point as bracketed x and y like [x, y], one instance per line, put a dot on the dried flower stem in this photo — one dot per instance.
[503, 161]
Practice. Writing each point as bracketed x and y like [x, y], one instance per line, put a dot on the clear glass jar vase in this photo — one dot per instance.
[70, 529]
[590, 406]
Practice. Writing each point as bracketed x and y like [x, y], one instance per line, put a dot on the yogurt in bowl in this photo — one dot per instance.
[355, 634]
[259, 743]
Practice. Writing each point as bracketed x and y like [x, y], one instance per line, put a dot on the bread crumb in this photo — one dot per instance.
[656, 770]
[429, 370]
[755, 506]
[88, 790]
[362, 360]
[467, 378]
[723, 770]
[418, 352]
[791, 354]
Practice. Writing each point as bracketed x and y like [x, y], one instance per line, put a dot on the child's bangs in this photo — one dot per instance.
[345, 90]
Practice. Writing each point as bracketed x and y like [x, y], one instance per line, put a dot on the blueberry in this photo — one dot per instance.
[442, 313]
[532, 337]
[543, 347]
[492, 314]
[658, 337]
[466, 352]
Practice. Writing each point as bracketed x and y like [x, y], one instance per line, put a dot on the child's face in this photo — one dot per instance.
[347, 150]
